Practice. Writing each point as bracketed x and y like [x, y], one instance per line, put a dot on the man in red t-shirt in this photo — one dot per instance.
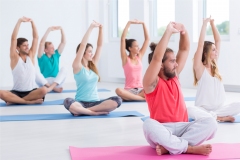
[168, 129]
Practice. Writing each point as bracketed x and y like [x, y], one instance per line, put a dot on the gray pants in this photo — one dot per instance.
[175, 137]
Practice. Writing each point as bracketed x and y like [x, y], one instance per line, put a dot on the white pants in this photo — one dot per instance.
[175, 137]
[62, 74]
[228, 110]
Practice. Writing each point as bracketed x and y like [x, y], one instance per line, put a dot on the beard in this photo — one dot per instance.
[169, 73]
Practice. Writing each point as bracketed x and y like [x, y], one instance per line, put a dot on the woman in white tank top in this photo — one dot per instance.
[210, 96]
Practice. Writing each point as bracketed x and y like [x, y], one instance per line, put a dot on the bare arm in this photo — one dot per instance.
[184, 46]
[42, 42]
[197, 63]
[13, 47]
[151, 76]
[216, 35]
[63, 41]
[77, 65]
[99, 45]
[146, 41]
[33, 49]
[123, 44]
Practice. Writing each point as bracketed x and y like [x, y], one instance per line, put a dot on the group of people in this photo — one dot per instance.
[168, 129]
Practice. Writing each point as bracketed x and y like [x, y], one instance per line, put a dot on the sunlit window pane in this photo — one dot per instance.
[165, 10]
[219, 11]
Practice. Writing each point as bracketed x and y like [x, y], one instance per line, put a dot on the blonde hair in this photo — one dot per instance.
[91, 65]
[206, 57]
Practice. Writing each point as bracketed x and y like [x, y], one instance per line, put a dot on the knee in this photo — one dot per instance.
[0, 94]
[68, 102]
[43, 91]
[119, 91]
[148, 123]
[118, 100]
[211, 123]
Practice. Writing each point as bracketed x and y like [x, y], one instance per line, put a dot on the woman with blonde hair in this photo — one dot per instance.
[210, 98]
[87, 101]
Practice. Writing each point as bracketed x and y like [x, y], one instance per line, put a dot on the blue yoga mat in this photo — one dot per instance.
[35, 117]
[54, 102]
[237, 119]
[74, 90]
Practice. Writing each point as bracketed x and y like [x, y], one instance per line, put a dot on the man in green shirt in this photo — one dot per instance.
[48, 61]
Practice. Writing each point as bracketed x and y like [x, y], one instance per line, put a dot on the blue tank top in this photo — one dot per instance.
[86, 81]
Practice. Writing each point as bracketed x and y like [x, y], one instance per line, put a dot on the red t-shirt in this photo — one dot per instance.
[166, 102]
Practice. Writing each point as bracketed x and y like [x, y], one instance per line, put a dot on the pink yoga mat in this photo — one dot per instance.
[220, 151]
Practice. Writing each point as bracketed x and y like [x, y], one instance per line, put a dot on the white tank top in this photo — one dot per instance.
[210, 92]
[24, 75]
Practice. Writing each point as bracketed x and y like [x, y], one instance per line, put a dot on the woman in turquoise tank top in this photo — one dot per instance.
[132, 64]
[86, 101]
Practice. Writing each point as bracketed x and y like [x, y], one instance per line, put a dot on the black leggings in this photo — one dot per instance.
[68, 102]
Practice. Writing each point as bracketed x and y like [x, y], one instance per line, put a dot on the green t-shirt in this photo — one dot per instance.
[49, 67]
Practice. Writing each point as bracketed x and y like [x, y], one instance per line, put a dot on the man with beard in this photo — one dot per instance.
[49, 62]
[168, 129]
[24, 90]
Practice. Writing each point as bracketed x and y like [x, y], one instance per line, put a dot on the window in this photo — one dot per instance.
[119, 10]
[163, 11]
[219, 11]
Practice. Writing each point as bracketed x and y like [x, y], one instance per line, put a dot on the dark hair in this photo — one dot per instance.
[20, 41]
[129, 43]
[91, 65]
[152, 47]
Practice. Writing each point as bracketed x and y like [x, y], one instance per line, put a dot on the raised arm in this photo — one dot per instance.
[183, 51]
[216, 36]
[63, 40]
[150, 78]
[33, 49]
[146, 41]
[42, 42]
[123, 43]
[77, 65]
[99, 45]
[197, 62]
[13, 47]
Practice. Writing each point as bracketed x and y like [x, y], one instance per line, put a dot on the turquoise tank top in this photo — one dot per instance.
[86, 81]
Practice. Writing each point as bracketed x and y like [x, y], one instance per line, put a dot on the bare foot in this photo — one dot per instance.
[38, 101]
[205, 149]
[226, 119]
[98, 113]
[58, 90]
[161, 150]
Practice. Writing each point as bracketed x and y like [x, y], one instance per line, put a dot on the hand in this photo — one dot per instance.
[53, 28]
[211, 21]
[171, 27]
[25, 19]
[135, 21]
[206, 20]
[180, 27]
[95, 24]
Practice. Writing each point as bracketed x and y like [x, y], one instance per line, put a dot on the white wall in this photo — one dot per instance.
[76, 15]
